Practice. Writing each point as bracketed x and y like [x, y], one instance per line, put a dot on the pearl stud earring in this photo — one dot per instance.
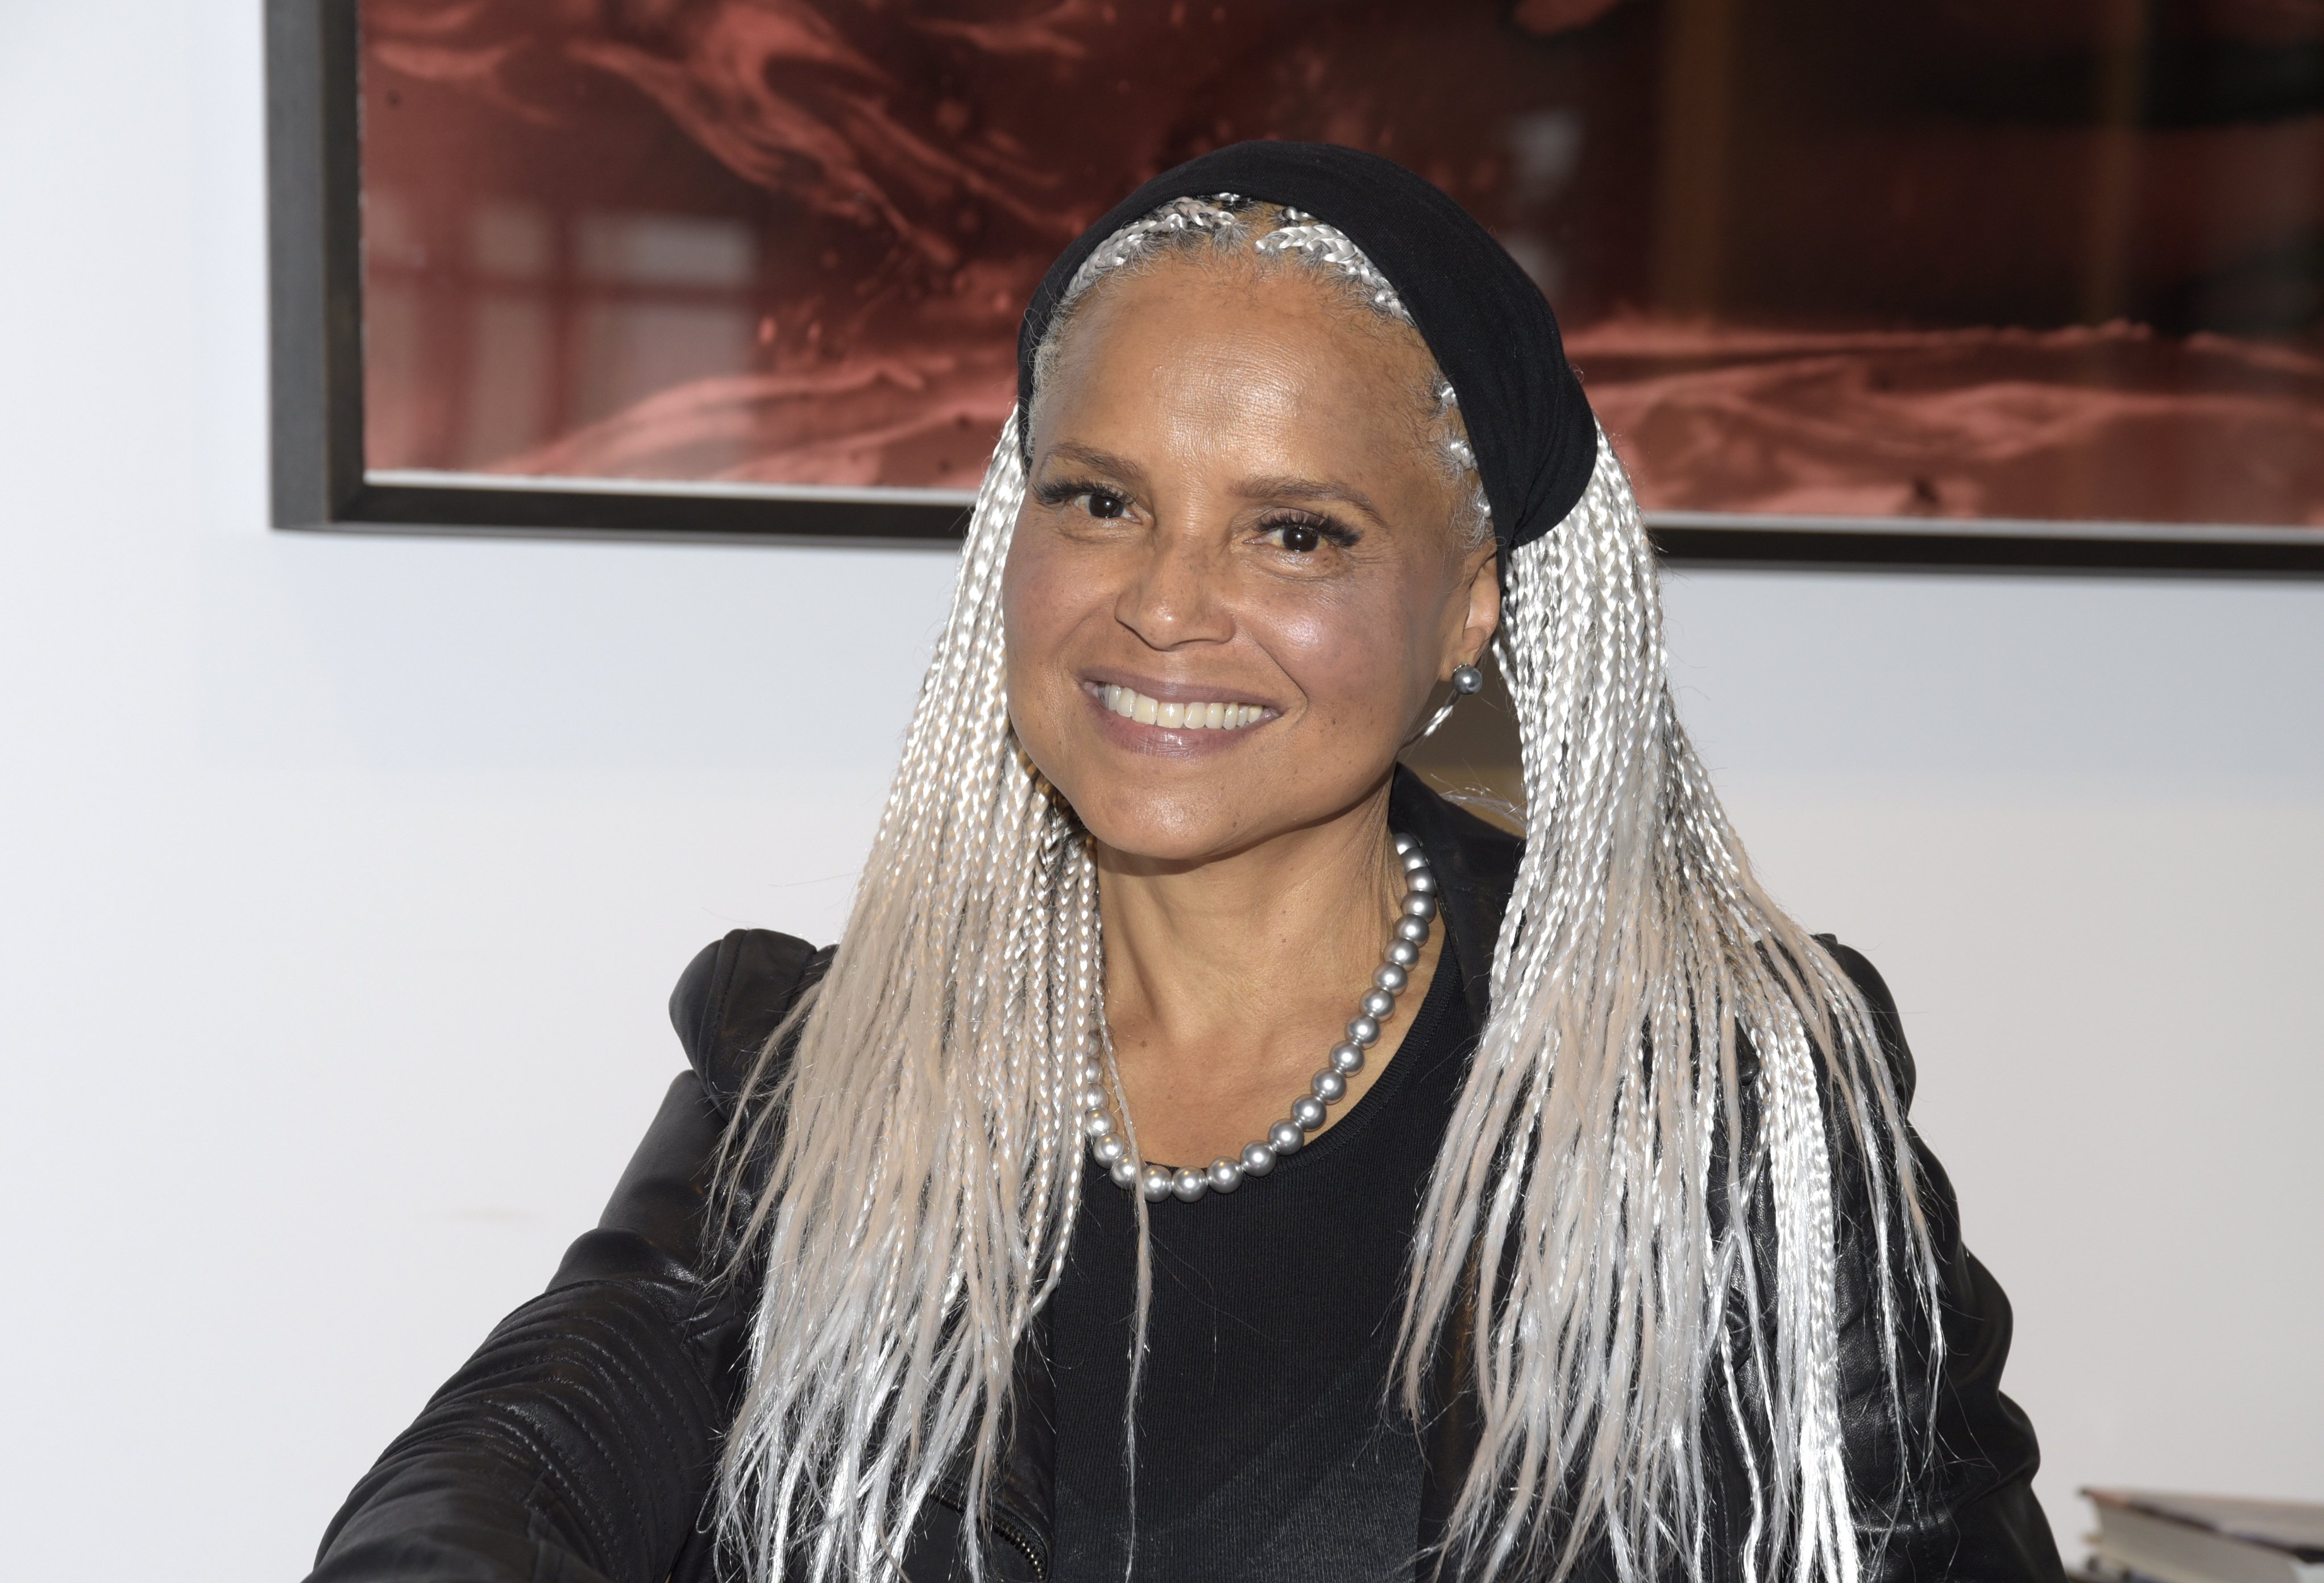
[1466, 679]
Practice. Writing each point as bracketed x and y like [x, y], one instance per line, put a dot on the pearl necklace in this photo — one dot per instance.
[1330, 1085]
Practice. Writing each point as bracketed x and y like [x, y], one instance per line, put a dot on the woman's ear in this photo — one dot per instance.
[1481, 613]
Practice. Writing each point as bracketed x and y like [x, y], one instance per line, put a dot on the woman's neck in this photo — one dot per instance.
[1227, 982]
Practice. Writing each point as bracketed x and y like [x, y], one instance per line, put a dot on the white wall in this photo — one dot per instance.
[342, 881]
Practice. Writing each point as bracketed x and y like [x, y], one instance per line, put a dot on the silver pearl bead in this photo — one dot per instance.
[1364, 1031]
[1307, 1113]
[1106, 1150]
[1404, 953]
[1092, 1098]
[1412, 930]
[1423, 883]
[1225, 1175]
[1156, 1183]
[1329, 1087]
[1258, 1158]
[1417, 905]
[1124, 1172]
[1097, 1125]
[1379, 1002]
[1405, 844]
[1285, 1137]
[1390, 978]
[1467, 678]
[1190, 1184]
[1347, 1057]
[1413, 859]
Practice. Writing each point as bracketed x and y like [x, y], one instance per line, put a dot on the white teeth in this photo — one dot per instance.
[1134, 705]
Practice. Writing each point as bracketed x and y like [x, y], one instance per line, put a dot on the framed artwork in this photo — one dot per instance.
[1968, 283]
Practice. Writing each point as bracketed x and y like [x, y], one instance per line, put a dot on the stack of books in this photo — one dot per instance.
[2206, 1539]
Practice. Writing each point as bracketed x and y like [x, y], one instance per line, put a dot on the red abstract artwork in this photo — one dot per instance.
[2020, 259]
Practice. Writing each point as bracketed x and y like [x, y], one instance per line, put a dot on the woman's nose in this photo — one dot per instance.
[1177, 594]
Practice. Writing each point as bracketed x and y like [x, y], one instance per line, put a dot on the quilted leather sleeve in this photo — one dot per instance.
[576, 1445]
[1970, 1513]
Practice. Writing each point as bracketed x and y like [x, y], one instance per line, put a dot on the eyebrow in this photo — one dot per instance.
[1103, 461]
[1267, 486]
[1311, 489]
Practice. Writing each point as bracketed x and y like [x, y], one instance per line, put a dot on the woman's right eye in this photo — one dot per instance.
[1093, 500]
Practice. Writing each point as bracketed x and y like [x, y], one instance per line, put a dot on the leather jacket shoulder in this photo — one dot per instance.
[577, 1445]
[1970, 1512]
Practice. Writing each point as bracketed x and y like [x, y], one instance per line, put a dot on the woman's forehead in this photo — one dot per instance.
[1229, 341]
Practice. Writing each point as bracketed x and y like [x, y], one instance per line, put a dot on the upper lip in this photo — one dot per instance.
[1172, 692]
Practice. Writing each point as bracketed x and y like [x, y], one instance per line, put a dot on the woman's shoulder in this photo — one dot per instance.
[1882, 1003]
[732, 995]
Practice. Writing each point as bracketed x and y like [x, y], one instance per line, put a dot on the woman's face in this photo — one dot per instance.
[1236, 516]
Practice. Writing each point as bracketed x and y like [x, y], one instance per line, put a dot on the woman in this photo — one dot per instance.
[1560, 1217]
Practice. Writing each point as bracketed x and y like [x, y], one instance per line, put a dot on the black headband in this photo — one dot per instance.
[1488, 324]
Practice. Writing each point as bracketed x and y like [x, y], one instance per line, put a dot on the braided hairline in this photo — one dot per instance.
[1225, 222]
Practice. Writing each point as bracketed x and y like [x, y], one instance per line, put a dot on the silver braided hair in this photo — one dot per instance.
[1668, 1056]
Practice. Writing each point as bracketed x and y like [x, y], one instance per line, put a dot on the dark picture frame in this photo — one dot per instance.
[318, 476]
[320, 479]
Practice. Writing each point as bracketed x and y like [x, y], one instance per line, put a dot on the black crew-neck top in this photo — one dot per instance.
[1268, 1443]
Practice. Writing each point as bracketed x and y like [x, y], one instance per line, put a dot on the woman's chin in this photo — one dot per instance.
[1184, 826]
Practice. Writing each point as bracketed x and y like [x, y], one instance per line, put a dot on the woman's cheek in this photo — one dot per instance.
[1044, 598]
[1026, 615]
[1347, 658]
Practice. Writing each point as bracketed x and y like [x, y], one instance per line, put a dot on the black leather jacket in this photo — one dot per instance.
[576, 1445]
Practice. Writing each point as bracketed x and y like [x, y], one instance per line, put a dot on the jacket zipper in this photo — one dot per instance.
[1017, 1538]
[1032, 1557]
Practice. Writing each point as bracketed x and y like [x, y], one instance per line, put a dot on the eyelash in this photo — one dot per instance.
[1324, 529]
[1066, 491]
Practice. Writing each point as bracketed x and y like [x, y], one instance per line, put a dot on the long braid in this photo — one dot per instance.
[1647, 996]
[965, 990]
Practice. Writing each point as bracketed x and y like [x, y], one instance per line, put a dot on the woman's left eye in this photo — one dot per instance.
[1303, 536]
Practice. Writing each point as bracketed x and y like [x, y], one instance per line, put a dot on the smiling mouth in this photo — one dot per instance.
[1132, 705]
